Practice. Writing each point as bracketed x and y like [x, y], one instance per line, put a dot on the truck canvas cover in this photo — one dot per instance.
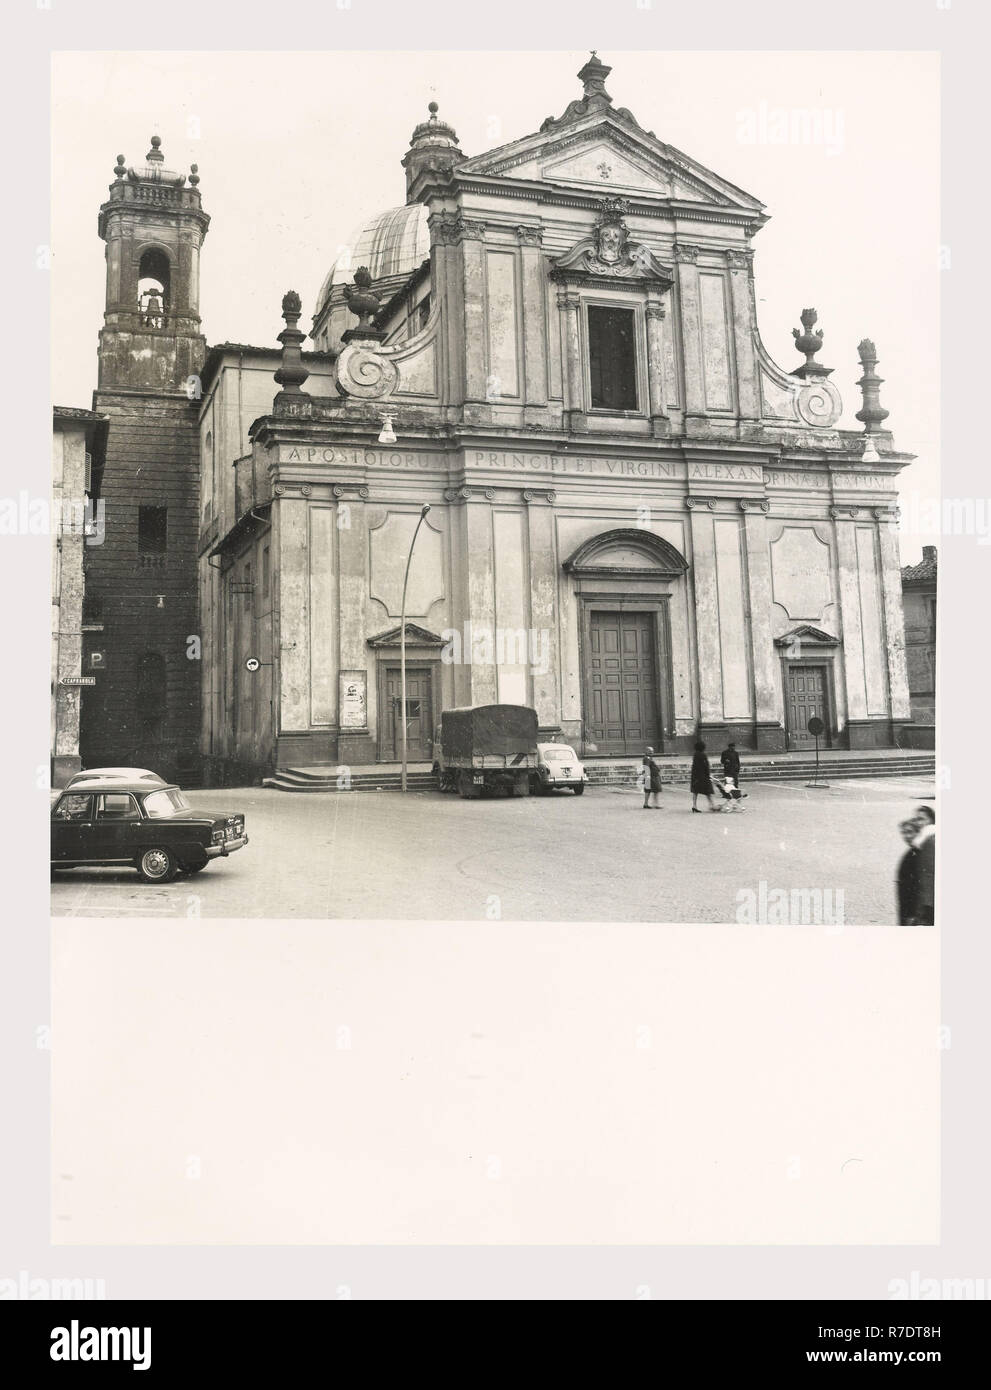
[503, 731]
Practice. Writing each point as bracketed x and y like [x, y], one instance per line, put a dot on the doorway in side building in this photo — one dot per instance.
[419, 715]
[807, 696]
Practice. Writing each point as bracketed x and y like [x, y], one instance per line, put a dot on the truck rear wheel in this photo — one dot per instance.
[521, 787]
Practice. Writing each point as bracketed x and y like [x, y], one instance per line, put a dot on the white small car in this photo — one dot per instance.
[557, 766]
[116, 774]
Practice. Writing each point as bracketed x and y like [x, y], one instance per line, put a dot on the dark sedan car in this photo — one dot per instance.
[152, 828]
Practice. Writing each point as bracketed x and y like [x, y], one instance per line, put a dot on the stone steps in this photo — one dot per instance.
[624, 774]
[790, 769]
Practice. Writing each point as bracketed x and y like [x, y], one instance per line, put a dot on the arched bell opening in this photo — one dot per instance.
[154, 288]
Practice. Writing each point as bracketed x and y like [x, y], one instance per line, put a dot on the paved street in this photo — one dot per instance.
[594, 858]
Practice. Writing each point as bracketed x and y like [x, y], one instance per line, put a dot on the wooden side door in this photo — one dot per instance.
[808, 697]
[419, 716]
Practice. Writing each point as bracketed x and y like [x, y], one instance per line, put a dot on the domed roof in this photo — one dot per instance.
[392, 245]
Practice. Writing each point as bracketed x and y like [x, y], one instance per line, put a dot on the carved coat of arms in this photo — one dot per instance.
[610, 252]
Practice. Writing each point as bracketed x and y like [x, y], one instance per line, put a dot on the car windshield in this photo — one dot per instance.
[160, 805]
[558, 755]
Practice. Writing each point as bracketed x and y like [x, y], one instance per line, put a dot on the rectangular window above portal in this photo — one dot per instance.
[613, 368]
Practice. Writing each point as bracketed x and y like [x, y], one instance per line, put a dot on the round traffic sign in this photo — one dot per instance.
[816, 726]
[252, 663]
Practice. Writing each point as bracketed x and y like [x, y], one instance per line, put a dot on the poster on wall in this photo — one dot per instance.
[354, 700]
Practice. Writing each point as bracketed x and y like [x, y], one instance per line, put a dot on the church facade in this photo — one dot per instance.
[639, 524]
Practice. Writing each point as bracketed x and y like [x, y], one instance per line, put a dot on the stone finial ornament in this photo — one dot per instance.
[291, 373]
[194, 174]
[364, 303]
[119, 169]
[594, 98]
[154, 155]
[872, 413]
[809, 342]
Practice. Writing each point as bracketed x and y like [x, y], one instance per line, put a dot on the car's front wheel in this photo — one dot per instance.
[580, 789]
[158, 865]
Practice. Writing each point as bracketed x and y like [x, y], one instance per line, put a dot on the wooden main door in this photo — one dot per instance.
[808, 696]
[621, 700]
[419, 717]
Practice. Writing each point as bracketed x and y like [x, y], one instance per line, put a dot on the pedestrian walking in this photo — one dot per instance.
[730, 760]
[907, 876]
[701, 779]
[651, 780]
[925, 843]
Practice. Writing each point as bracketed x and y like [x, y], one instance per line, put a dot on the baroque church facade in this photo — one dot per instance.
[639, 524]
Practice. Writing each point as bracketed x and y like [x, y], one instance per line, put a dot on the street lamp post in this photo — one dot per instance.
[402, 641]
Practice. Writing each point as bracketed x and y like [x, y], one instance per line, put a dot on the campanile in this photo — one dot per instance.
[141, 622]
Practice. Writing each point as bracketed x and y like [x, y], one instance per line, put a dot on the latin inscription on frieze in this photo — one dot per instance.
[777, 478]
[557, 465]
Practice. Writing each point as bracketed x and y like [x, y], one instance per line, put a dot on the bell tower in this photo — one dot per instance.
[141, 599]
[154, 224]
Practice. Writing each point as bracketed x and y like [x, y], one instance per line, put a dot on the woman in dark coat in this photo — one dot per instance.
[907, 878]
[701, 779]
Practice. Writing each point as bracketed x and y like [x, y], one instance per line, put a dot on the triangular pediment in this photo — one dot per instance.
[416, 636]
[603, 154]
[810, 636]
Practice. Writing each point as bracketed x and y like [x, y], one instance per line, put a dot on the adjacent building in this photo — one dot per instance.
[79, 441]
[639, 523]
[919, 602]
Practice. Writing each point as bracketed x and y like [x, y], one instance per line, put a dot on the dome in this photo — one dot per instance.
[392, 245]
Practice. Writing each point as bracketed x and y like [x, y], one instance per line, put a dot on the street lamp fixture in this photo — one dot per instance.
[402, 632]
[387, 435]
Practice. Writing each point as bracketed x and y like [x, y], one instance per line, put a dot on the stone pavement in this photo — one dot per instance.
[595, 858]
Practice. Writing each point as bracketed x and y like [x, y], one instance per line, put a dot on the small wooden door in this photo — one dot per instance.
[808, 696]
[621, 682]
[419, 717]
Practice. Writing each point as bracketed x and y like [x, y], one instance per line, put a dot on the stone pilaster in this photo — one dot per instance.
[747, 376]
[290, 523]
[768, 713]
[569, 302]
[354, 745]
[894, 618]
[543, 607]
[660, 423]
[481, 599]
[854, 673]
[445, 287]
[534, 317]
[691, 332]
[473, 260]
[706, 613]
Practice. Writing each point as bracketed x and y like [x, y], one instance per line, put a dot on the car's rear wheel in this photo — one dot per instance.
[157, 865]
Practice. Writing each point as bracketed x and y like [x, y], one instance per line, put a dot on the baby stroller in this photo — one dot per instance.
[731, 794]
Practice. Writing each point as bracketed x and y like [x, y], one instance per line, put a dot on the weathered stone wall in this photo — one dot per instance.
[146, 603]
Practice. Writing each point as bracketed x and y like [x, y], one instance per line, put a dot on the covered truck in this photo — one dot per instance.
[487, 747]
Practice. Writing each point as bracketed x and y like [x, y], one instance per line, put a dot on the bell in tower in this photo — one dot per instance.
[154, 224]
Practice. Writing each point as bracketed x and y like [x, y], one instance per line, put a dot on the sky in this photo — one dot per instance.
[296, 150]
